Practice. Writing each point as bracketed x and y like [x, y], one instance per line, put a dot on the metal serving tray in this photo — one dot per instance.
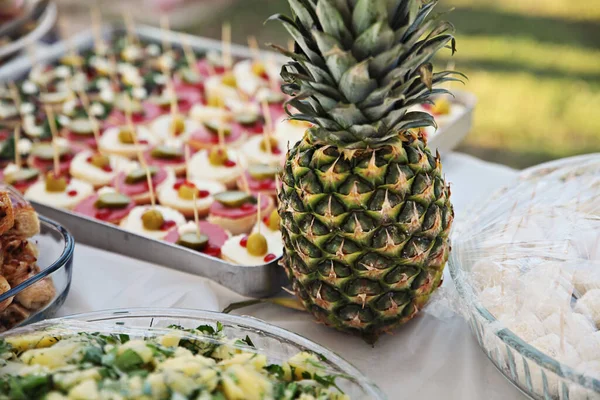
[254, 281]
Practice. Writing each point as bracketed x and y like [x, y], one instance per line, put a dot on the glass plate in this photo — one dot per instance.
[278, 344]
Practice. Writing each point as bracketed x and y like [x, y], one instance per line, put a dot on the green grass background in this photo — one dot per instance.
[533, 64]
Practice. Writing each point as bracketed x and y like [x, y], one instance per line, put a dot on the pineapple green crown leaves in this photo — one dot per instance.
[360, 65]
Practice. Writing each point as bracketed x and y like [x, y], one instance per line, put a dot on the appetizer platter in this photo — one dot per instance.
[172, 353]
[530, 282]
[35, 259]
[186, 181]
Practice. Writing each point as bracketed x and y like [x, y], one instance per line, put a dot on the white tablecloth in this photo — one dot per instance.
[432, 357]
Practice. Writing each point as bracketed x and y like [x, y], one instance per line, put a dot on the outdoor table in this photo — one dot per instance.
[432, 357]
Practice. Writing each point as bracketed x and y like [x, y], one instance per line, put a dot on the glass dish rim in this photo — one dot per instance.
[61, 261]
[508, 337]
[238, 320]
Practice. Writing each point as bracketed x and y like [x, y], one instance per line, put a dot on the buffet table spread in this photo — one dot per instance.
[434, 356]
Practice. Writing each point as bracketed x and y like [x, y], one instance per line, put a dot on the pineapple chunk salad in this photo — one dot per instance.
[57, 363]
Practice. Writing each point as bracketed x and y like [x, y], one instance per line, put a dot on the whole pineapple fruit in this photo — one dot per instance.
[365, 211]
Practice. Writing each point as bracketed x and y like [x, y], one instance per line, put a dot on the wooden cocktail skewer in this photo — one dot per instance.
[196, 215]
[130, 27]
[85, 102]
[17, 136]
[14, 93]
[150, 187]
[273, 83]
[254, 48]
[188, 52]
[291, 45]
[165, 28]
[258, 212]
[186, 152]
[96, 20]
[226, 52]
[54, 132]
[267, 127]
[221, 130]
[243, 176]
[141, 159]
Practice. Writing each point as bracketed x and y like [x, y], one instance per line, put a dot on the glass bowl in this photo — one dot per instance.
[55, 260]
[276, 343]
[551, 187]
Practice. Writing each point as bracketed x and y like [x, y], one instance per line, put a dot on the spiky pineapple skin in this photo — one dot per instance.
[365, 231]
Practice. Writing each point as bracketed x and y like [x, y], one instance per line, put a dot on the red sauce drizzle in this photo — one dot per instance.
[244, 241]
[72, 193]
[229, 163]
[270, 257]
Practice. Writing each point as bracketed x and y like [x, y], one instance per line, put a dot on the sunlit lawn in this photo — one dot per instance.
[534, 65]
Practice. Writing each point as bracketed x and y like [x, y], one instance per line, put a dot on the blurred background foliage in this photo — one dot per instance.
[533, 64]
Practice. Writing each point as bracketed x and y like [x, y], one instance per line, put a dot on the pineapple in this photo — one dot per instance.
[365, 210]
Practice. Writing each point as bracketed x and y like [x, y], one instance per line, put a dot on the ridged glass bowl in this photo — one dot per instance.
[276, 343]
[55, 260]
[535, 373]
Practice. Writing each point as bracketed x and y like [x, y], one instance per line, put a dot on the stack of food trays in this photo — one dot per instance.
[229, 114]
[527, 266]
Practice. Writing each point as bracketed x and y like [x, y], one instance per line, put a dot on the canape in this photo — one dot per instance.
[42, 156]
[80, 130]
[258, 151]
[59, 191]
[253, 249]
[152, 221]
[179, 194]
[120, 141]
[168, 156]
[260, 179]
[141, 112]
[235, 211]
[269, 226]
[211, 240]
[134, 182]
[207, 135]
[221, 88]
[173, 126]
[250, 76]
[95, 168]
[217, 164]
[20, 178]
[106, 205]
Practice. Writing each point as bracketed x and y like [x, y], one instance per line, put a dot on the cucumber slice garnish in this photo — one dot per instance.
[261, 172]
[138, 175]
[233, 199]
[166, 152]
[193, 241]
[112, 201]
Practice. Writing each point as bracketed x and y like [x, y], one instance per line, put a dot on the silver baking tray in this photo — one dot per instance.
[253, 281]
